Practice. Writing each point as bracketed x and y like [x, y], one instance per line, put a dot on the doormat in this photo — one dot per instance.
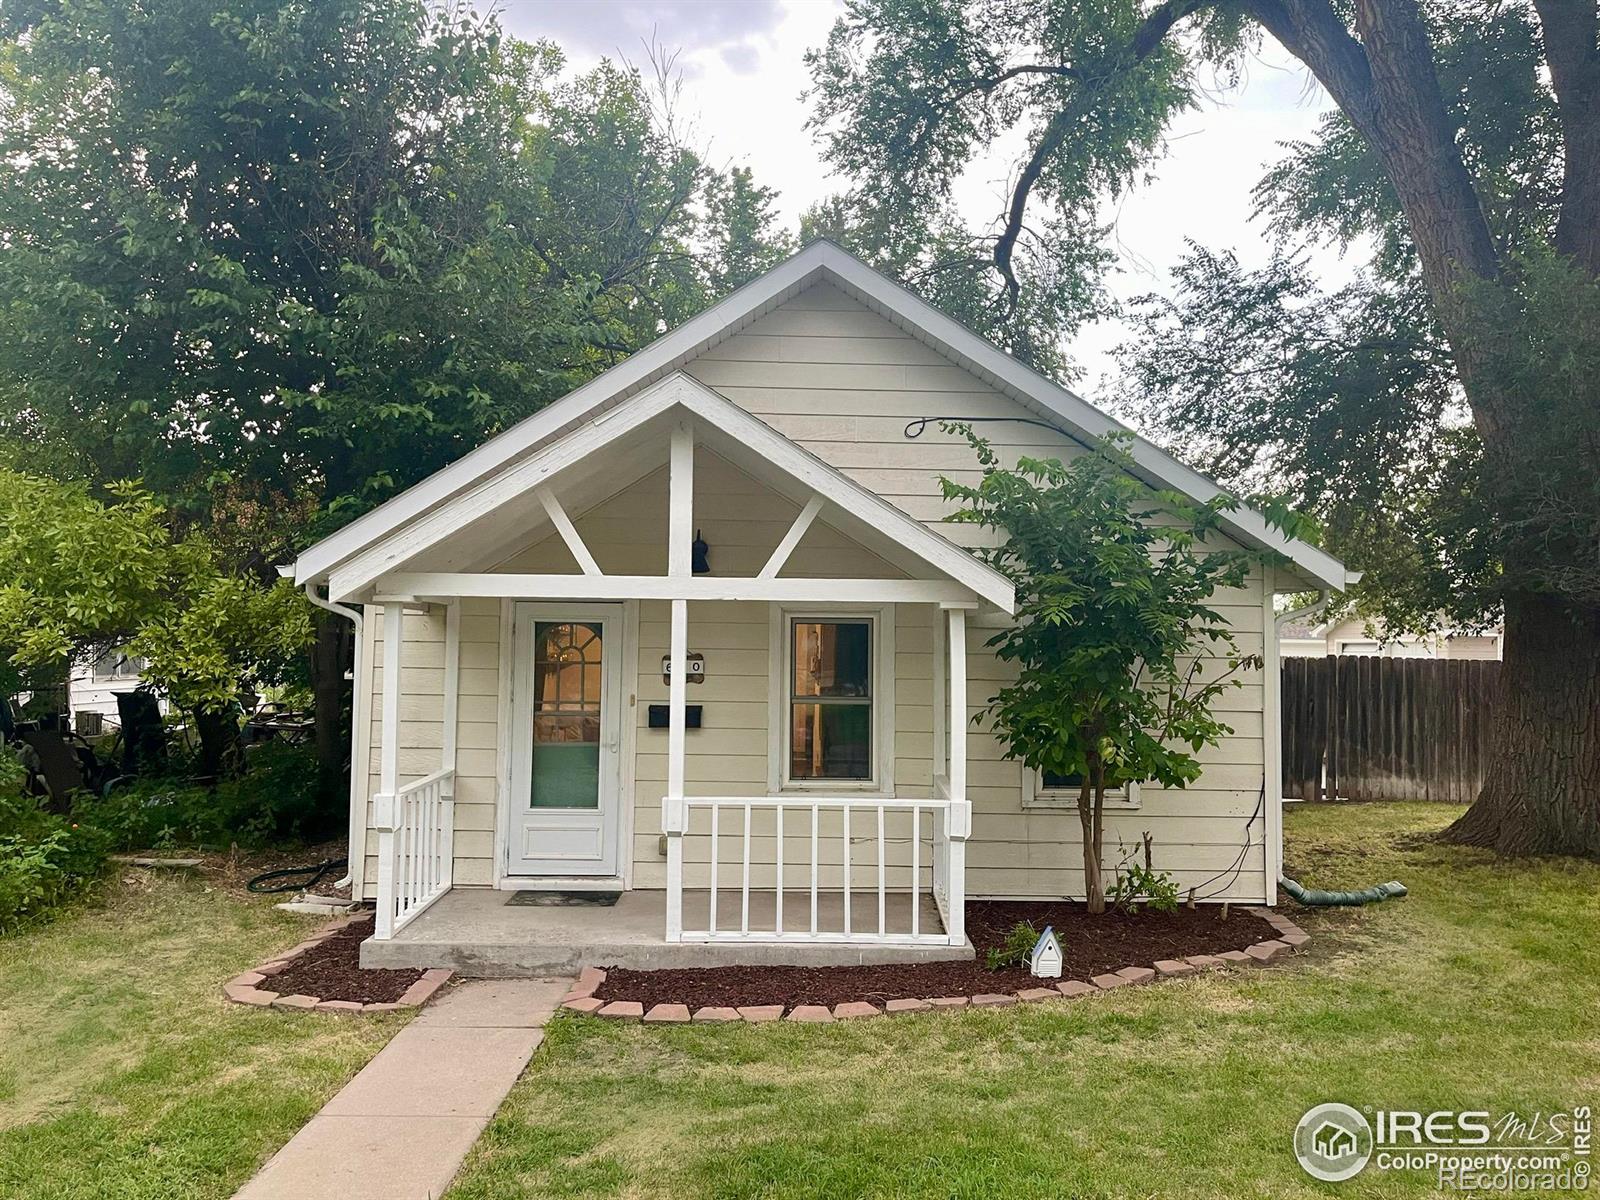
[560, 899]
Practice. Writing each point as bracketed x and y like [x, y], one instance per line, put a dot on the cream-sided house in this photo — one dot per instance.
[695, 637]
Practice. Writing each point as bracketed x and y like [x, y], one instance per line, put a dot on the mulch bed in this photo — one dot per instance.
[332, 971]
[1090, 945]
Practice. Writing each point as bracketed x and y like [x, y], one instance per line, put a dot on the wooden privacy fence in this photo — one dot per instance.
[1365, 728]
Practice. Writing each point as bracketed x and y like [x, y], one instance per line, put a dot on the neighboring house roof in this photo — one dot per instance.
[820, 260]
[1301, 631]
[727, 427]
[1358, 626]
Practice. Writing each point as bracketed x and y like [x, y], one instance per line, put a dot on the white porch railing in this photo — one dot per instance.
[861, 870]
[415, 829]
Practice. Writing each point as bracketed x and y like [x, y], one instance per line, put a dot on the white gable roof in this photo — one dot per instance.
[856, 511]
[820, 260]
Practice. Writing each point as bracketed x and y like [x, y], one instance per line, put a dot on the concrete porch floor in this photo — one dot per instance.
[475, 932]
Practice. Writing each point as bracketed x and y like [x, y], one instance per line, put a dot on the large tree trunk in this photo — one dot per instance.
[330, 658]
[1542, 791]
[221, 746]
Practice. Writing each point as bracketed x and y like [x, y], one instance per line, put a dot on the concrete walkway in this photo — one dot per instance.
[400, 1128]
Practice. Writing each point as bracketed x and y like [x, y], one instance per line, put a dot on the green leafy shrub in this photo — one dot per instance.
[44, 857]
[1138, 882]
[275, 801]
[153, 814]
[1014, 951]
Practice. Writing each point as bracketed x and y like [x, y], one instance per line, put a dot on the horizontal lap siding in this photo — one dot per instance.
[843, 382]
[742, 521]
[421, 733]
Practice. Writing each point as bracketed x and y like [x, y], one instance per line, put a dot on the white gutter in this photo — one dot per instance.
[1310, 610]
[356, 826]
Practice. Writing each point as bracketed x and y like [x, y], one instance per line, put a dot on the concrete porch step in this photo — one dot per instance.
[474, 932]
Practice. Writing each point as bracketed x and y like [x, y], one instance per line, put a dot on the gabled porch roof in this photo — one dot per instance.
[445, 551]
[820, 260]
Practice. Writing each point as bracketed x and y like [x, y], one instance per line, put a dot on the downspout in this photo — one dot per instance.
[1272, 791]
[356, 825]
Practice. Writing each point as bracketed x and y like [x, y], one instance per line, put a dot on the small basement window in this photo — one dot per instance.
[1048, 790]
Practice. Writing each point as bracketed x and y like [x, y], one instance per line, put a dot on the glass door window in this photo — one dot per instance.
[568, 687]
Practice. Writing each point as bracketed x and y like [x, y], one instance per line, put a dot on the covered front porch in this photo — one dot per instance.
[480, 932]
[791, 872]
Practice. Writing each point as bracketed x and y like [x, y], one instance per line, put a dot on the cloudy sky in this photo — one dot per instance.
[743, 78]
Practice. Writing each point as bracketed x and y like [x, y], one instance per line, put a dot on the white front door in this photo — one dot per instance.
[567, 719]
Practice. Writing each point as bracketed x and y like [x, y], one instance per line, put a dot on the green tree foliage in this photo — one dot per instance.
[748, 240]
[934, 256]
[1451, 386]
[82, 576]
[1346, 402]
[317, 250]
[907, 93]
[279, 260]
[1120, 657]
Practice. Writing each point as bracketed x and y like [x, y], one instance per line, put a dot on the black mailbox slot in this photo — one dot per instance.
[659, 718]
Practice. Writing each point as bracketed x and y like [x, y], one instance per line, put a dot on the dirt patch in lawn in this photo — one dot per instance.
[332, 971]
[1090, 945]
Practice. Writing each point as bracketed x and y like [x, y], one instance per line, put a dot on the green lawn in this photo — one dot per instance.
[1479, 991]
[123, 1072]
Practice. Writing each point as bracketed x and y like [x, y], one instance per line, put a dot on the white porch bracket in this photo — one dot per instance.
[791, 539]
[568, 531]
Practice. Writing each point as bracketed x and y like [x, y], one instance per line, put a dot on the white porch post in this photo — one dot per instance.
[958, 815]
[446, 831]
[384, 815]
[680, 531]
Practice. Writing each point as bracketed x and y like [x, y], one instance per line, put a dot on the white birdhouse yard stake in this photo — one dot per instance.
[1045, 961]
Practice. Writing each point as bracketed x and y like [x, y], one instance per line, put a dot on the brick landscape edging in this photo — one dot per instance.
[582, 999]
[247, 988]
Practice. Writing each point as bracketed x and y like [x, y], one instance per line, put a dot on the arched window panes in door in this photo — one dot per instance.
[568, 688]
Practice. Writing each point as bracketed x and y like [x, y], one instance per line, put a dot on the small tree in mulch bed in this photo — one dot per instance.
[1115, 640]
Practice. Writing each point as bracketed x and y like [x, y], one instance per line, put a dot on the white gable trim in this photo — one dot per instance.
[1079, 418]
[677, 391]
[668, 352]
[821, 259]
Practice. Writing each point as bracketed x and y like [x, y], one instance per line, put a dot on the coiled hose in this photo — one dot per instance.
[295, 879]
[1316, 898]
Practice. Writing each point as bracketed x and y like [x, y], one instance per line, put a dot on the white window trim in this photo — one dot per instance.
[1036, 795]
[883, 670]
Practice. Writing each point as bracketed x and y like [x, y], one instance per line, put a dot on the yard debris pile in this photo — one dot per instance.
[332, 971]
[1090, 945]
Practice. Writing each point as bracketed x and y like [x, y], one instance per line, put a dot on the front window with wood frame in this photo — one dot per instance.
[830, 699]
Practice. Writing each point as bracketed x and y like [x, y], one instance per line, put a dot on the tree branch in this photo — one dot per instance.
[1386, 84]
[1146, 39]
[1570, 28]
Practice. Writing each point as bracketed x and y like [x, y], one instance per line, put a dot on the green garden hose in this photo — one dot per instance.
[1315, 898]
